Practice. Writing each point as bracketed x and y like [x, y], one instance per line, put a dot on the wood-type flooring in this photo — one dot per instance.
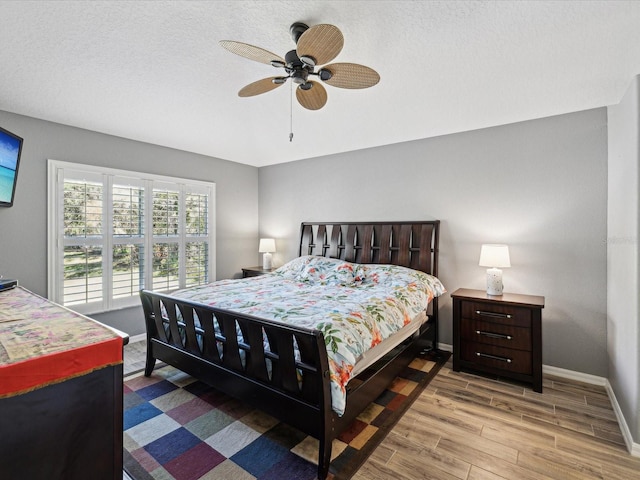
[472, 427]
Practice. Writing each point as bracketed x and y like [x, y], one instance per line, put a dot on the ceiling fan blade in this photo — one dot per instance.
[322, 43]
[314, 98]
[351, 75]
[261, 86]
[251, 52]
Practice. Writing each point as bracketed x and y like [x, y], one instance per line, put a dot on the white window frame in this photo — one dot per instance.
[56, 171]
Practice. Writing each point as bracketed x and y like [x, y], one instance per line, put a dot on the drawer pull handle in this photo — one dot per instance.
[493, 357]
[494, 335]
[492, 314]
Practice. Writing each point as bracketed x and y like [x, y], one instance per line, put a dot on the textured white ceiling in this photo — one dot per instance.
[153, 70]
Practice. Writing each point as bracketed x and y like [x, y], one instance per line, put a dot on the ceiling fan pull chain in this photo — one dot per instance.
[290, 111]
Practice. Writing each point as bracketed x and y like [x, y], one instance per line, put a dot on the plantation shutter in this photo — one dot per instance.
[113, 232]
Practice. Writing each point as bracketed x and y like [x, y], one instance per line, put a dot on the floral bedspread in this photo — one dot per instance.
[355, 306]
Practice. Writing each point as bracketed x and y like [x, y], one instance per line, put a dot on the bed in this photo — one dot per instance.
[289, 370]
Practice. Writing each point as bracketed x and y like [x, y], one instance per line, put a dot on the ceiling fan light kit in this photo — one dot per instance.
[315, 46]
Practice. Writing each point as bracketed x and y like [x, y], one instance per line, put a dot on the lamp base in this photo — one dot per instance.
[266, 261]
[494, 281]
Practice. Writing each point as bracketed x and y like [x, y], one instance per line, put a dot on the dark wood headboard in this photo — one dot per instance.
[410, 244]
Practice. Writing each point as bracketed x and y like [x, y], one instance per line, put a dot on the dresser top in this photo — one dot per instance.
[509, 298]
[42, 343]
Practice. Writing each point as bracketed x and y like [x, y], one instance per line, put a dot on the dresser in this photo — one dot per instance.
[498, 335]
[60, 392]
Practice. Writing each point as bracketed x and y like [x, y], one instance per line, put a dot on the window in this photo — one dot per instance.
[113, 232]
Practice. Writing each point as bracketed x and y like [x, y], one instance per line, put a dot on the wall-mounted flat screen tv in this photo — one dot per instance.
[10, 149]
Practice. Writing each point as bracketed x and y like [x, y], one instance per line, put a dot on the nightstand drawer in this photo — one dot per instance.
[517, 361]
[506, 314]
[496, 334]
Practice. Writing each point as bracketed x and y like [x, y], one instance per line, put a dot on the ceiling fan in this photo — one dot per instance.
[315, 46]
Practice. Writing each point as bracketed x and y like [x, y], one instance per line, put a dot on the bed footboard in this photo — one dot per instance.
[227, 351]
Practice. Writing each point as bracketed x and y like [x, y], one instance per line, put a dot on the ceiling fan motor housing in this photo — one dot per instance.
[298, 71]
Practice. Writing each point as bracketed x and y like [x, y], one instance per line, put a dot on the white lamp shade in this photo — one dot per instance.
[267, 245]
[496, 256]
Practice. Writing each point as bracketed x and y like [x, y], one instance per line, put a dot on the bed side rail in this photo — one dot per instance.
[235, 342]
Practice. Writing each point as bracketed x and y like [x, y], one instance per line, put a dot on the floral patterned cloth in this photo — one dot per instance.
[356, 306]
[42, 343]
[32, 326]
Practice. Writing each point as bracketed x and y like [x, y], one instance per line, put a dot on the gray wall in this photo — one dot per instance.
[23, 227]
[623, 328]
[539, 186]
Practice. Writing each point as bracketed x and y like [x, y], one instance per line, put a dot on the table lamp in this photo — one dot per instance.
[495, 257]
[267, 246]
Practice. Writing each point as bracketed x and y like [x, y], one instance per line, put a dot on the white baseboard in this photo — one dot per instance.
[577, 376]
[138, 338]
[632, 447]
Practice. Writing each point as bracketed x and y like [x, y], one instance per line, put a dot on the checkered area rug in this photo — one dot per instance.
[176, 427]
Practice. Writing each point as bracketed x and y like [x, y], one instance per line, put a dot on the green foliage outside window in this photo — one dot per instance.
[83, 205]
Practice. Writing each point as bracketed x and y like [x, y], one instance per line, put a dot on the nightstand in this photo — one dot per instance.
[255, 271]
[500, 335]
